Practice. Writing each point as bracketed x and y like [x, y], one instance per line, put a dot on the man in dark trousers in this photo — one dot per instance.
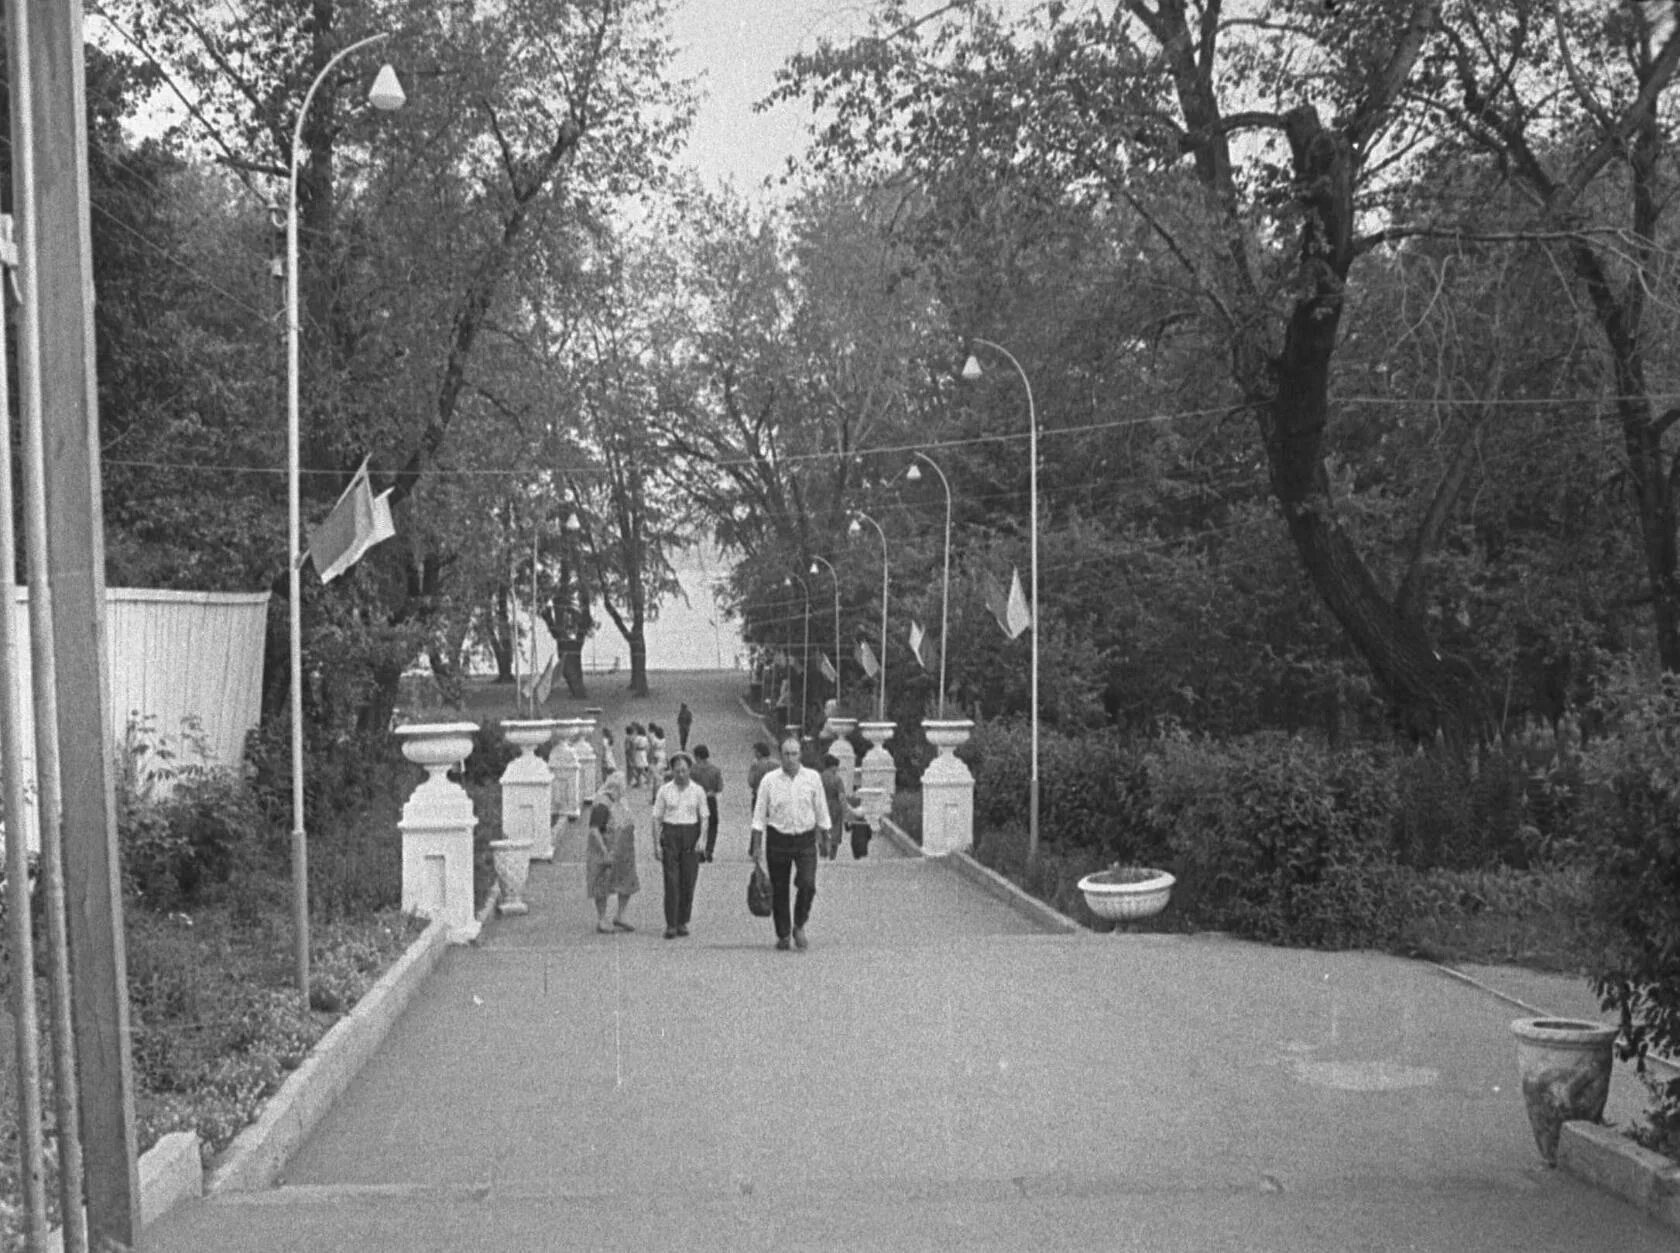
[679, 812]
[790, 813]
[685, 720]
[708, 776]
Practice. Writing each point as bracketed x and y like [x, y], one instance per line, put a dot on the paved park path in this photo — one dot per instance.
[933, 1074]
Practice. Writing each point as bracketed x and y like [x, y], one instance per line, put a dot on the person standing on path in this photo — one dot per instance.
[762, 764]
[709, 777]
[610, 857]
[679, 809]
[790, 813]
[685, 721]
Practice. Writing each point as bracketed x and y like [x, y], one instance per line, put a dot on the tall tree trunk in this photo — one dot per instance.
[1429, 693]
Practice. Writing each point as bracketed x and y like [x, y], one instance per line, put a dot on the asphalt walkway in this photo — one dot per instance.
[933, 1074]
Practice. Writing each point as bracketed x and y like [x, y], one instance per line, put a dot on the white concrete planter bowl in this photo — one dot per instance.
[1127, 892]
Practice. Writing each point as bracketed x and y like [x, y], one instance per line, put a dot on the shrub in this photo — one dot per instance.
[1634, 772]
[1093, 789]
[1277, 838]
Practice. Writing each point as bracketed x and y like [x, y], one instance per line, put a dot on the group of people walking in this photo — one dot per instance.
[798, 816]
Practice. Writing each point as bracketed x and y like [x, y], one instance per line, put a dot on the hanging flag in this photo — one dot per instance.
[828, 670]
[1019, 617]
[357, 522]
[866, 659]
[993, 593]
[542, 686]
[917, 635]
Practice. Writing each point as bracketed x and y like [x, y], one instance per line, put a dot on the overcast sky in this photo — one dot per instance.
[738, 45]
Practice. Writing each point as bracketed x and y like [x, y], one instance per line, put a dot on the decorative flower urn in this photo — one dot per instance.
[437, 825]
[567, 798]
[1126, 892]
[589, 761]
[842, 727]
[528, 788]
[879, 769]
[512, 859]
[947, 790]
[1565, 1066]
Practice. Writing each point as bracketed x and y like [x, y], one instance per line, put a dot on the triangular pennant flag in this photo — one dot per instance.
[543, 685]
[828, 670]
[993, 592]
[357, 522]
[866, 659]
[917, 635]
[1019, 617]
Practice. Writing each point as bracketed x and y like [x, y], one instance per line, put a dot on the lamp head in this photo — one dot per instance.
[856, 528]
[971, 368]
[386, 94]
[813, 568]
[572, 523]
[914, 473]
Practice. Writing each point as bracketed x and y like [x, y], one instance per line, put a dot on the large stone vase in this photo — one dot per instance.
[589, 763]
[512, 859]
[947, 790]
[842, 727]
[567, 798]
[528, 787]
[1565, 1066]
[437, 829]
[879, 770]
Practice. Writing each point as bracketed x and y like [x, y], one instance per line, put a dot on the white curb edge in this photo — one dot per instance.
[1605, 1158]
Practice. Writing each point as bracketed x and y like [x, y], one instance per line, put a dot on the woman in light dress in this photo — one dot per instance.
[610, 856]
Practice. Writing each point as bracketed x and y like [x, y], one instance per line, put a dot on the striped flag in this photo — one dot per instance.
[828, 670]
[358, 521]
[1017, 616]
[997, 603]
[866, 659]
[917, 635]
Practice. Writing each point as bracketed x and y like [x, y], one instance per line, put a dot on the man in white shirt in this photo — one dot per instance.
[790, 813]
[679, 809]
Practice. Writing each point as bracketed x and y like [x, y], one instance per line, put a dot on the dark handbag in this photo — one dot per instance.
[758, 893]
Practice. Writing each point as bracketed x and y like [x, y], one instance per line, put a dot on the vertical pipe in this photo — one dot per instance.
[49, 803]
[20, 928]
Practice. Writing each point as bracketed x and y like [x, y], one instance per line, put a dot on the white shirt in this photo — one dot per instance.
[793, 806]
[679, 806]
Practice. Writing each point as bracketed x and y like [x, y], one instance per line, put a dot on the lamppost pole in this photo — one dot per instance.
[294, 565]
[881, 690]
[945, 586]
[971, 370]
[805, 659]
[835, 575]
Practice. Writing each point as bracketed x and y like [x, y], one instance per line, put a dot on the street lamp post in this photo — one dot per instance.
[971, 370]
[805, 660]
[914, 475]
[835, 575]
[385, 95]
[881, 689]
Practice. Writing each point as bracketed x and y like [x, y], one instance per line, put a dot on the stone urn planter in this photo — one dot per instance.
[528, 787]
[842, 727]
[947, 789]
[1126, 892]
[1565, 1066]
[437, 825]
[878, 768]
[512, 860]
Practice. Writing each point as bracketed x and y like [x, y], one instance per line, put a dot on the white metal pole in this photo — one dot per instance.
[945, 586]
[1032, 456]
[294, 564]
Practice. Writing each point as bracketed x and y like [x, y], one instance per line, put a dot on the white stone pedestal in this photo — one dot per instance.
[437, 830]
[589, 764]
[512, 860]
[947, 791]
[842, 727]
[879, 770]
[527, 788]
[566, 793]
